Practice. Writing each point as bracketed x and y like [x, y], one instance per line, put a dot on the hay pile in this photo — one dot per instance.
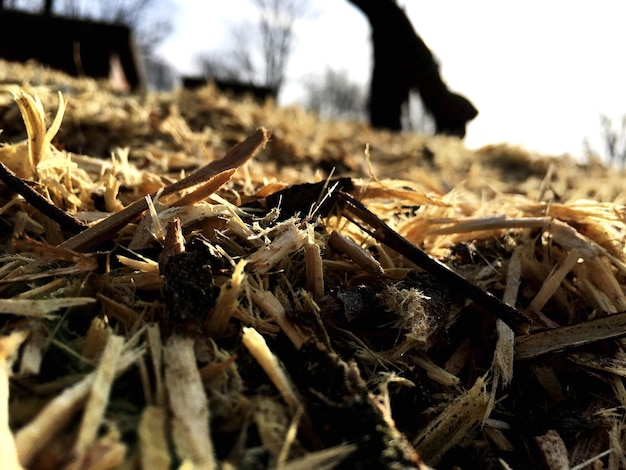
[191, 281]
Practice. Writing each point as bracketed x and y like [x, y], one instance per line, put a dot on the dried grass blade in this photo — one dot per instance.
[58, 119]
[612, 365]
[490, 223]
[34, 120]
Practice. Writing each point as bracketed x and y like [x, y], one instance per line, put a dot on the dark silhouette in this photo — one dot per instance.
[403, 62]
[78, 47]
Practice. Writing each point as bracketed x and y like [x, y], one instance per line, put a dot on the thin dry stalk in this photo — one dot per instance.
[155, 347]
[327, 458]
[188, 404]
[355, 252]
[227, 302]
[99, 394]
[271, 306]
[384, 234]
[505, 344]
[314, 270]
[153, 444]
[121, 312]
[255, 343]
[557, 339]
[106, 453]
[206, 189]
[41, 203]
[554, 281]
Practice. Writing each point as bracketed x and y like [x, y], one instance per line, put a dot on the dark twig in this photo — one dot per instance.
[371, 224]
[39, 202]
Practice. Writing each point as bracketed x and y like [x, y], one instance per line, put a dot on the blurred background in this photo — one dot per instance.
[545, 75]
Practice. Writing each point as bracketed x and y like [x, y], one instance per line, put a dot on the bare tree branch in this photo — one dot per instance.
[614, 140]
[277, 20]
[260, 52]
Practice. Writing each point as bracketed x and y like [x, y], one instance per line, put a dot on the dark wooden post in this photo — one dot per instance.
[47, 9]
[403, 62]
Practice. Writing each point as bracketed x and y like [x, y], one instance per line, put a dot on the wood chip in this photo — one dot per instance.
[290, 239]
[8, 451]
[314, 270]
[153, 443]
[271, 306]
[188, 404]
[255, 343]
[553, 451]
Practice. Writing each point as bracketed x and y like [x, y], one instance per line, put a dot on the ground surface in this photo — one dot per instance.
[296, 293]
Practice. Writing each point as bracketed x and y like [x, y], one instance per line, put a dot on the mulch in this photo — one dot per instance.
[193, 281]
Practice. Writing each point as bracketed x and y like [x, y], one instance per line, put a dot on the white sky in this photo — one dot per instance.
[539, 72]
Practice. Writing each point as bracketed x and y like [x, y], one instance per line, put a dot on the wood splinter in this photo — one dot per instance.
[234, 158]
